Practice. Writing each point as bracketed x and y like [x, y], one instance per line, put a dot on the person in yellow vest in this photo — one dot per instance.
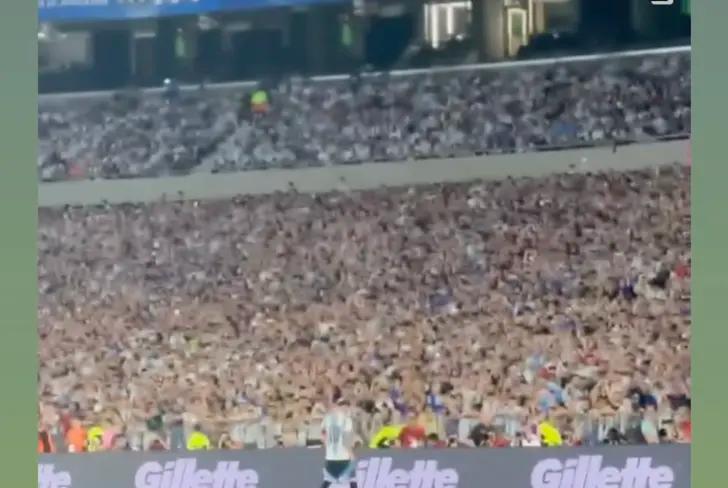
[94, 439]
[197, 440]
[259, 103]
[385, 437]
[549, 434]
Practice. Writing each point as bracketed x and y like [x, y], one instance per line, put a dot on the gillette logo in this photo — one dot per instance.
[378, 473]
[48, 477]
[184, 473]
[588, 472]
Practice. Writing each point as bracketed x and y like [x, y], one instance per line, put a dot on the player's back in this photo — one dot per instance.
[339, 430]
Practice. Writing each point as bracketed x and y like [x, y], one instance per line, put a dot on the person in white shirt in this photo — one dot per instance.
[337, 430]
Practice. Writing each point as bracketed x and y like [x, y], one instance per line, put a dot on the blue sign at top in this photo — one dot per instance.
[91, 10]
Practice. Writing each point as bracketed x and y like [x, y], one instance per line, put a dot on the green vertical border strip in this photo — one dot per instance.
[709, 242]
[18, 221]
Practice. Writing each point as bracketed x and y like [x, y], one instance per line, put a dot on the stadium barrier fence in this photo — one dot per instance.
[624, 155]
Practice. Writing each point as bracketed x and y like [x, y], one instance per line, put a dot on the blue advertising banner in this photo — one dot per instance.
[92, 10]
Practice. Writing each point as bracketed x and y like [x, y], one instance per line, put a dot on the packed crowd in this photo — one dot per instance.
[366, 118]
[549, 310]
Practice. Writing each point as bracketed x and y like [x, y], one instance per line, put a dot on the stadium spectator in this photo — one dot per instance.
[197, 440]
[495, 303]
[376, 118]
[45, 442]
[76, 437]
[413, 433]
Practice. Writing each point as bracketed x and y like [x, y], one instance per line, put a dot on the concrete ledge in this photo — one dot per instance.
[363, 176]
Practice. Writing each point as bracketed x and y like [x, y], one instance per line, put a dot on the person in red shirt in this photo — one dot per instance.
[682, 271]
[685, 431]
[413, 434]
[500, 441]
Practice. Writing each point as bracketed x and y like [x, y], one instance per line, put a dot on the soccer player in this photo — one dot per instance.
[337, 430]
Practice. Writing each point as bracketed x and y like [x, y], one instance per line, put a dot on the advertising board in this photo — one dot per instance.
[606, 467]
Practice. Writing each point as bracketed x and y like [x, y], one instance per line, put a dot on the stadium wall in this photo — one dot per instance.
[361, 176]
[666, 466]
